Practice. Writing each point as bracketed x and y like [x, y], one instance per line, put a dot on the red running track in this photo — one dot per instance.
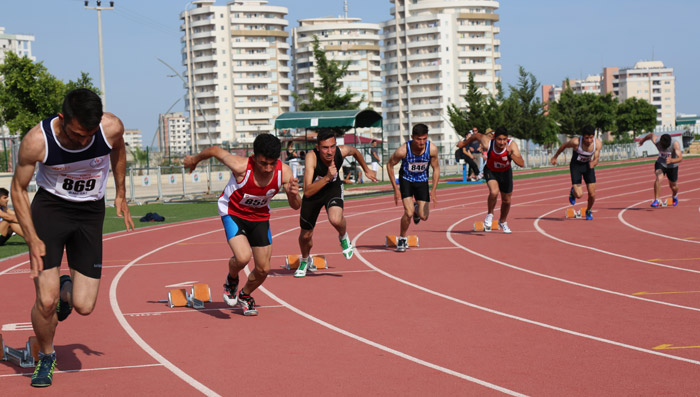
[575, 307]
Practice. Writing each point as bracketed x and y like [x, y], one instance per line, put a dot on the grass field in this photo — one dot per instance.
[177, 212]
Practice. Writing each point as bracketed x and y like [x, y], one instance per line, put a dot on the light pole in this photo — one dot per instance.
[99, 9]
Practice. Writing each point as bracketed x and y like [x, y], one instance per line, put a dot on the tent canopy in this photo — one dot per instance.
[329, 118]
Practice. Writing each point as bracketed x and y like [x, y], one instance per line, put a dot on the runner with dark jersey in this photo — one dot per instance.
[244, 207]
[497, 172]
[584, 158]
[670, 155]
[323, 189]
[415, 157]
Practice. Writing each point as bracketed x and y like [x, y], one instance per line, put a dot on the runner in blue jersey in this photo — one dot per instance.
[415, 157]
[74, 150]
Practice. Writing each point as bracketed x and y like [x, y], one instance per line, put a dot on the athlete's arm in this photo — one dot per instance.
[114, 131]
[236, 164]
[395, 158]
[31, 151]
[435, 164]
[678, 152]
[8, 216]
[570, 143]
[596, 155]
[291, 187]
[312, 187]
[346, 150]
[514, 154]
[649, 136]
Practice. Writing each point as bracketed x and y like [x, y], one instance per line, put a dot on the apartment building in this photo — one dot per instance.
[237, 69]
[133, 139]
[430, 48]
[20, 44]
[344, 40]
[648, 80]
[173, 134]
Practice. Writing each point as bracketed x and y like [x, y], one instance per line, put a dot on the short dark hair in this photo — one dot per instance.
[665, 140]
[419, 129]
[324, 134]
[83, 105]
[267, 145]
[588, 130]
[500, 131]
[4, 192]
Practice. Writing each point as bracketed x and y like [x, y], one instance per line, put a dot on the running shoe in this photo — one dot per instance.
[303, 266]
[589, 215]
[63, 308]
[488, 221]
[655, 203]
[416, 217]
[572, 198]
[230, 289]
[504, 227]
[312, 265]
[247, 303]
[675, 201]
[347, 247]
[43, 373]
[401, 244]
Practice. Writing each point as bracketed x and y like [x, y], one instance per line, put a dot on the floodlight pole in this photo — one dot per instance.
[99, 9]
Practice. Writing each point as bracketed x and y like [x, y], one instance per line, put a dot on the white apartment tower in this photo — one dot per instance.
[343, 39]
[133, 139]
[237, 69]
[20, 44]
[430, 48]
[173, 137]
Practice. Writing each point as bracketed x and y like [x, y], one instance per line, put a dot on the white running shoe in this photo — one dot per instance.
[301, 270]
[504, 227]
[346, 245]
[488, 221]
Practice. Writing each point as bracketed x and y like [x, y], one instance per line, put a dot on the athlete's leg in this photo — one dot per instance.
[261, 256]
[306, 242]
[81, 293]
[493, 194]
[591, 195]
[423, 209]
[578, 191]
[674, 187]
[17, 229]
[657, 183]
[240, 247]
[4, 228]
[43, 315]
[336, 218]
[505, 206]
[408, 210]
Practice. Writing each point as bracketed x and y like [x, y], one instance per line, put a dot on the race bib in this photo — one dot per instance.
[417, 167]
[78, 185]
[584, 159]
[250, 200]
[501, 165]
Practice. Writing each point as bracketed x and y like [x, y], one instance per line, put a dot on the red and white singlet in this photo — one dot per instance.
[247, 201]
[498, 162]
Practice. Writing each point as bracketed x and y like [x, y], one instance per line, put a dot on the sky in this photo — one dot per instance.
[552, 39]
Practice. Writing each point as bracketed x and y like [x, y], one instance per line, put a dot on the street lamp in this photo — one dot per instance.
[99, 9]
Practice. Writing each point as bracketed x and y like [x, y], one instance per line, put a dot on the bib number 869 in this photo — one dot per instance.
[79, 185]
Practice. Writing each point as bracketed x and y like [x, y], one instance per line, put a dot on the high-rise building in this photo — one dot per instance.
[20, 44]
[173, 134]
[430, 48]
[237, 69]
[344, 40]
[133, 139]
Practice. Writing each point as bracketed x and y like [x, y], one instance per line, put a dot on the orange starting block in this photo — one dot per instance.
[667, 202]
[291, 262]
[390, 241]
[199, 294]
[572, 213]
[479, 226]
[25, 358]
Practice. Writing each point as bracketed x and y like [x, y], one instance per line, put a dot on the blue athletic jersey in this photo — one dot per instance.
[414, 168]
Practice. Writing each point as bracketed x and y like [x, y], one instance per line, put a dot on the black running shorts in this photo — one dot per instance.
[419, 190]
[258, 233]
[311, 207]
[581, 170]
[670, 172]
[504, 179]
[76, 226]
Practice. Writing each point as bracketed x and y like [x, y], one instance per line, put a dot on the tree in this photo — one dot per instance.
[529, 122]
[572, 112]
[475, 114]
[84, 81]
[29, 93]
[604, 110]
[636, 115]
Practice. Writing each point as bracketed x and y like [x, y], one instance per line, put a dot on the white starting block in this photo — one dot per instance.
[667, 202]
[479, 226]
[573, 213]
[25, 358]
[199, 294]
[390, 241]
[291, 262]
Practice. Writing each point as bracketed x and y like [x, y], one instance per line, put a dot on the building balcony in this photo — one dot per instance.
[250, 104]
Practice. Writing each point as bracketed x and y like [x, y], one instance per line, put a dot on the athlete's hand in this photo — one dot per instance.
[190, 163]
[433, 198]
[371, 175]
[332, 172]
[37, 250]
[397, 195]
[123, 212]
[293, 186]
[553, 161]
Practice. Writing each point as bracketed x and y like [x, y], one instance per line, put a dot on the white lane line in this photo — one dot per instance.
[68, 371]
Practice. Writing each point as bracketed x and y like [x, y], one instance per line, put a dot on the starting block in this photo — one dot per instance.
[480, 227]
[25, 358]
[199, 294]
[390, 241]
[291, 262]
[572, 213]
[667, 202]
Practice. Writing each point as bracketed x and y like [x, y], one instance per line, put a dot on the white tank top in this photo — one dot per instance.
[74, 175]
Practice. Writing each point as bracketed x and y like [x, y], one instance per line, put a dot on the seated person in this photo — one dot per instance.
[8, 220]
[352, 174]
